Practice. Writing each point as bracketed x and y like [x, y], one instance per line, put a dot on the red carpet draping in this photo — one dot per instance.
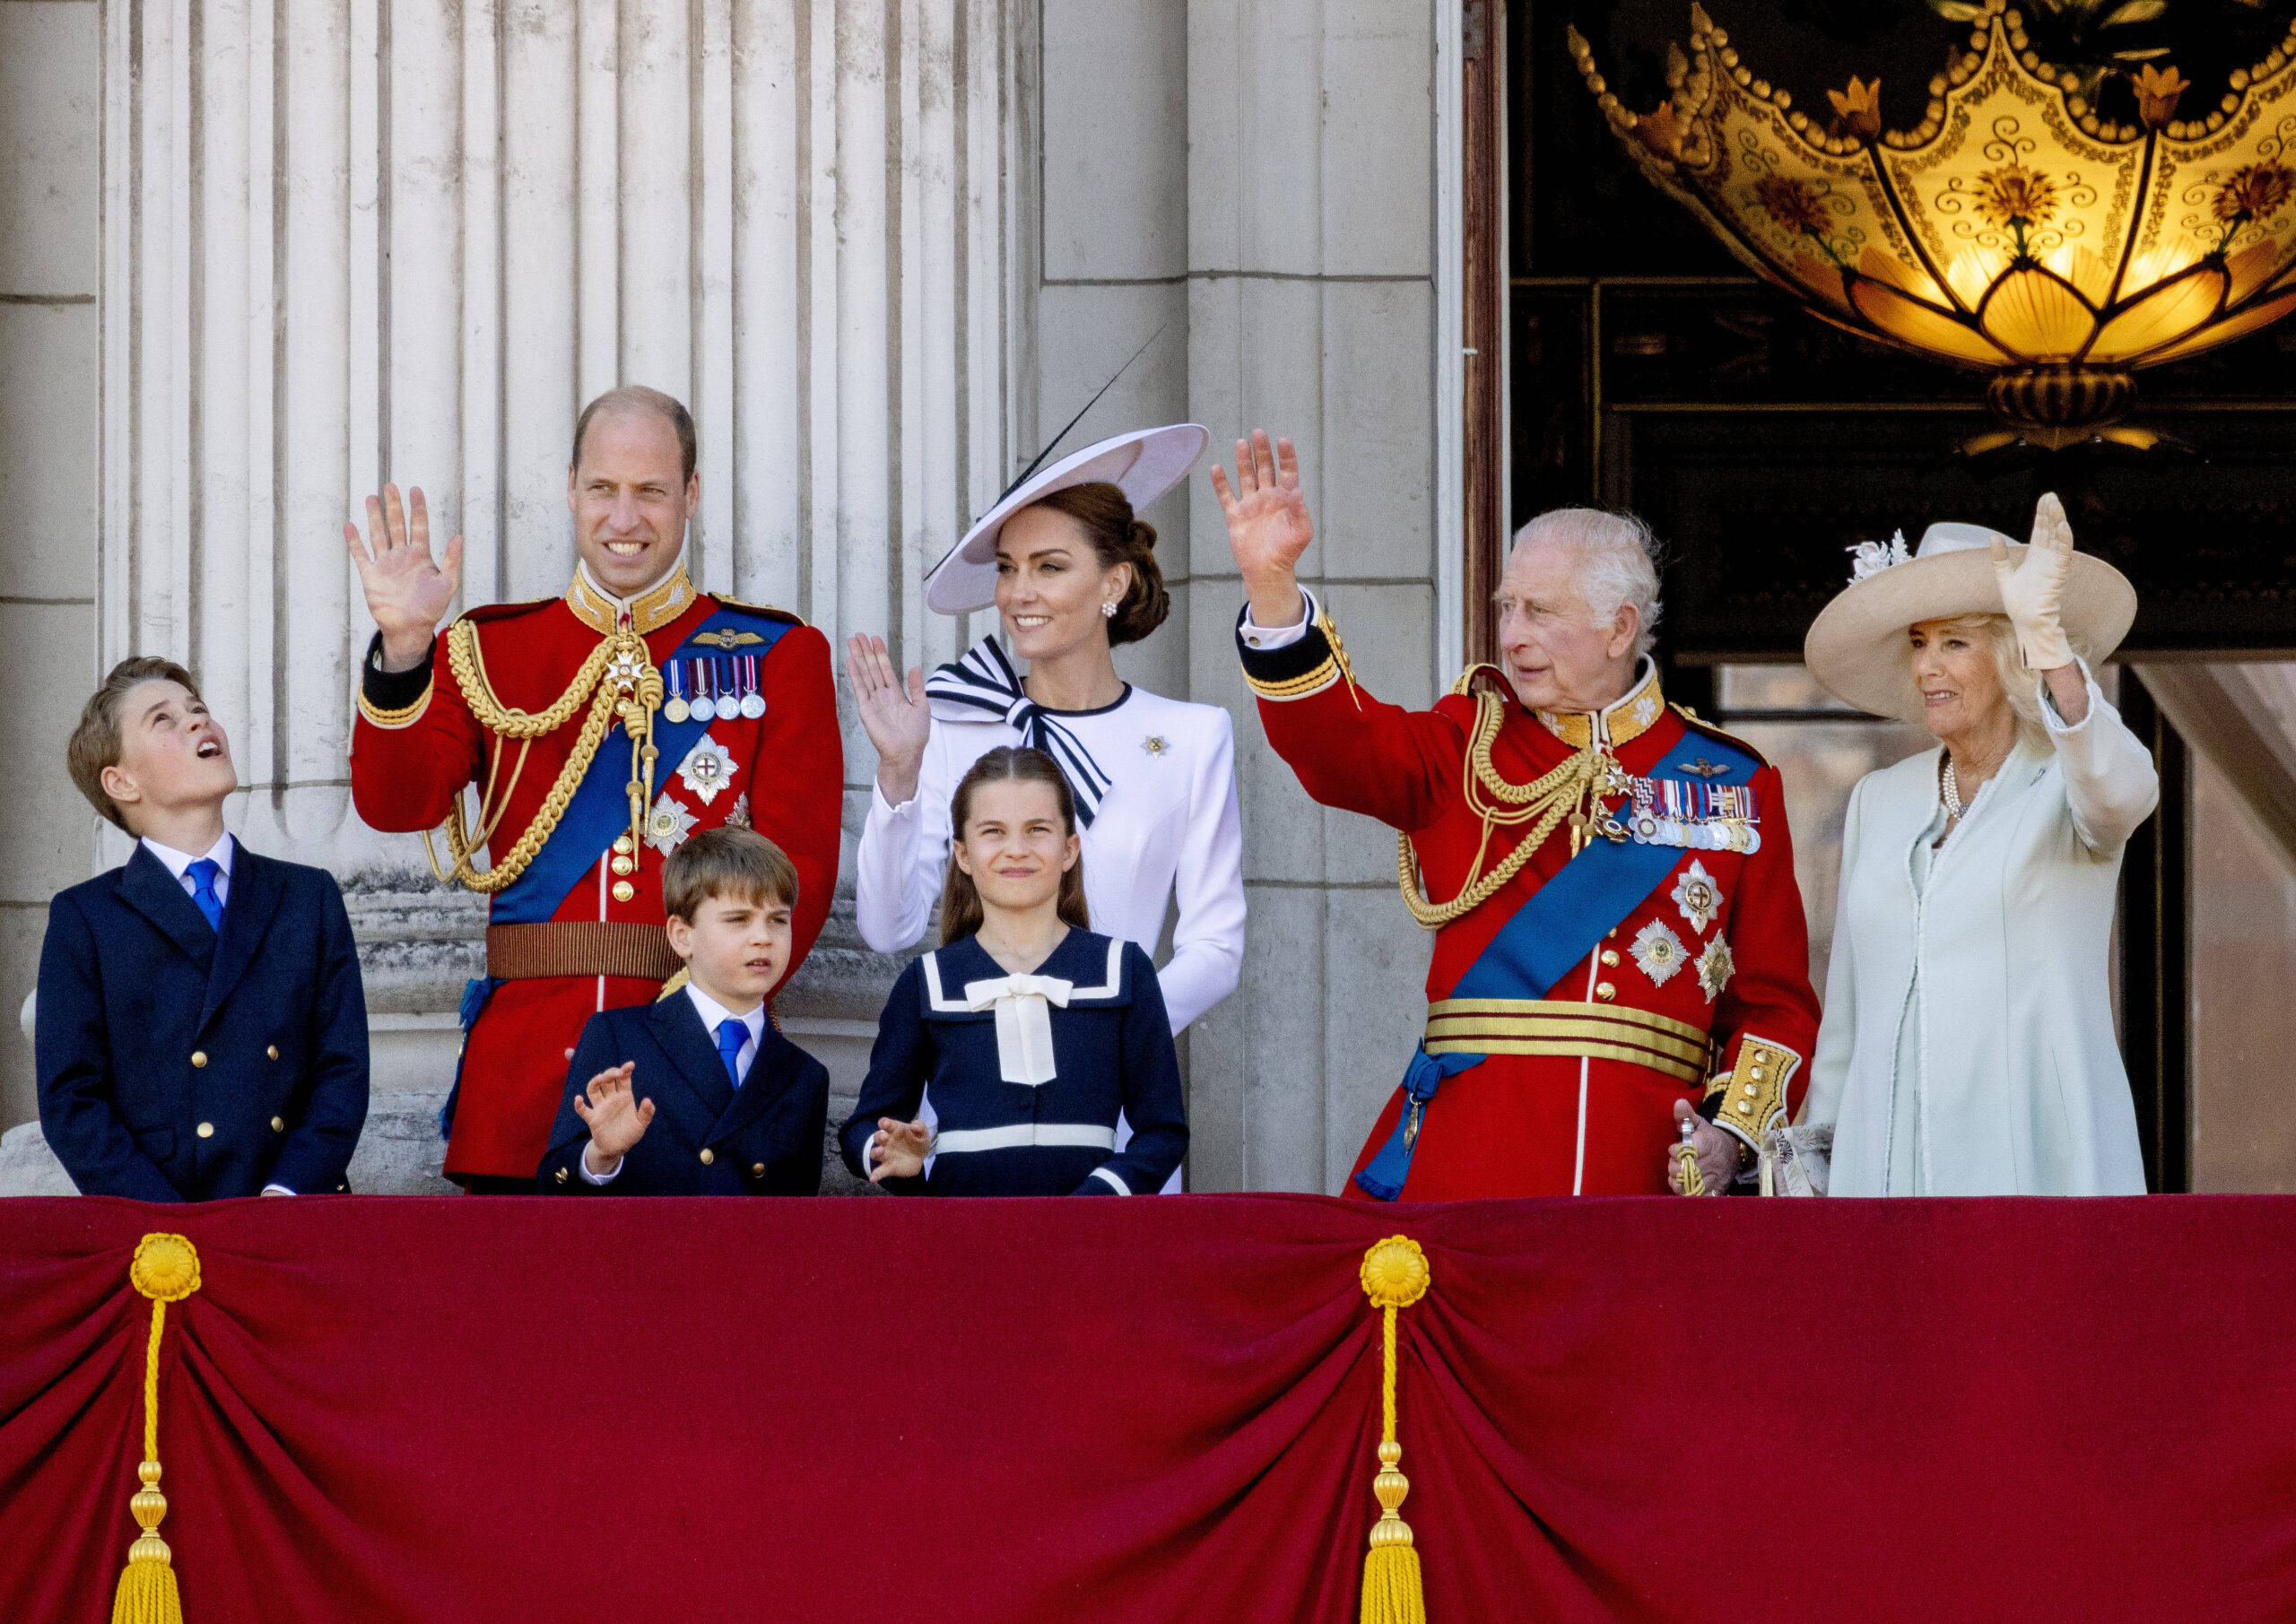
[484, 1410]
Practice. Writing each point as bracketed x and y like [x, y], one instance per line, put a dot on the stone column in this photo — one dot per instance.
[1316, 234]
[343, 241]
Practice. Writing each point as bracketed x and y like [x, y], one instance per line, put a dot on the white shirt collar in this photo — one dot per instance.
[715, 1014]
[219, 854]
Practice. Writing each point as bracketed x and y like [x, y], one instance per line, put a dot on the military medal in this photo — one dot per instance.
[677, 710]
[704, 707]
[753, 701]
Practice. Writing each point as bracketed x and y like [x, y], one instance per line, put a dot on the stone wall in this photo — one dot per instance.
[880, 247]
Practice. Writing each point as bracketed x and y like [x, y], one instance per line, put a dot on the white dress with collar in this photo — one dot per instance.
[1168, 825]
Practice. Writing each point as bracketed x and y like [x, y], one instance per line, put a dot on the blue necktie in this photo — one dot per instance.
[203, 876]
[731, 1035]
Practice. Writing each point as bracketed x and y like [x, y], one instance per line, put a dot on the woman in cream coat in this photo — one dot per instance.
[1967, 1045]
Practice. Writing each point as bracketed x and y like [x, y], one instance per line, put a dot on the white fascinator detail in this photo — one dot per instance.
[1871, 558]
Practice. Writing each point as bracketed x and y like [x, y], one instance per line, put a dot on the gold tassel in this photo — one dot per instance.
[1395, 1276]
[167, 1270]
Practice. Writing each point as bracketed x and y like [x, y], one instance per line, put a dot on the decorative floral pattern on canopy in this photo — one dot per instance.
[2013, 229]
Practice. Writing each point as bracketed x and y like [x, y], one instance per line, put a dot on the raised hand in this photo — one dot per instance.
[406, 593]
[894, 714]
[897, 1150]
[2033, 590]
[616, 1116]
[1268, 527]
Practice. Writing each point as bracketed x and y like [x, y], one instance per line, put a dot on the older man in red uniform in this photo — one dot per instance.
[603, 728]
[1619, 950]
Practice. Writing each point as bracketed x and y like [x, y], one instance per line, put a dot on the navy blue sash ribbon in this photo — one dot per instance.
[983, 686]
[600, 809]
[1555, 929]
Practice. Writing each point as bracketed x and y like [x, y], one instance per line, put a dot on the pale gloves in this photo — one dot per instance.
[2032, 590]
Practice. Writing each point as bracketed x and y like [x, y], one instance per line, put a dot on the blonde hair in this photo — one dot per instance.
[2020, 684]
[96, 743]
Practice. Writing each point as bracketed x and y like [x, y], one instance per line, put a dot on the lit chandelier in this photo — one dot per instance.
[2013, 229]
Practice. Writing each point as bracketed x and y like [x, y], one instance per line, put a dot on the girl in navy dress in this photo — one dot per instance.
[1030, 1033]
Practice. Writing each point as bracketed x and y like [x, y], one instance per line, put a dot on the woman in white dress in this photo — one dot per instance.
[1967, 1047]
[1072, 574]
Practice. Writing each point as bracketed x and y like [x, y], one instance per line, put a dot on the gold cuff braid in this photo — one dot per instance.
[1296, 688]
[407, 716]
[1753, 1094]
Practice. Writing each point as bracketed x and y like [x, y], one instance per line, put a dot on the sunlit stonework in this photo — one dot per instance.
[1697, 897]
[1659, 952]
[2013, 230]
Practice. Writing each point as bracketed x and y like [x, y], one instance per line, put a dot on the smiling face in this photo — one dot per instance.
[1955, 669]
[1556, 657]
[630, 500]
[1016, 845]
[734, 947]
[173, 755]
[1050, 585]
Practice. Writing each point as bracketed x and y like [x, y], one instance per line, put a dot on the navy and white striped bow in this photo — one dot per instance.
[982, 685]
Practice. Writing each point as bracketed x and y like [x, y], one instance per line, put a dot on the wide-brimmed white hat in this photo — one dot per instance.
[1856, 648]
[1144, 465]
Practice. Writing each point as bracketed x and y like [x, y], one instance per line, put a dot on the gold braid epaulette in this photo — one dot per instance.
[469, 668]
[1560, 794]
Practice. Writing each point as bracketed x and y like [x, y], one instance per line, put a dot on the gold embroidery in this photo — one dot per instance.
[726, 639]
[1753, 1094]
[404, 717]
[648, 611]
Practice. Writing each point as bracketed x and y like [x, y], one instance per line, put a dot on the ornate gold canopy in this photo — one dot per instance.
[2012, 230]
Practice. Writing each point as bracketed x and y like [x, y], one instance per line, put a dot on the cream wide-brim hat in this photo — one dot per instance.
[1144, 465]
[1856, 648]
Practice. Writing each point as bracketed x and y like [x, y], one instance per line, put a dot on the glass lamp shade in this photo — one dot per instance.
[2012, 230]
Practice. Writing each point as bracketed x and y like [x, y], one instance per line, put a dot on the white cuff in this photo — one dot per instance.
[582, 1165]
[1267, 639]
[1112, 1180]
[906, 811]
[277, 1190]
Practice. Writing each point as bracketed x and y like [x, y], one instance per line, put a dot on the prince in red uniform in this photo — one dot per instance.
[603, 729]
[1620, 945]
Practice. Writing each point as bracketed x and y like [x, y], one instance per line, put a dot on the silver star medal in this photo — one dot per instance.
[668, 825]
[1697, 897]
[1715, 967]
[737, 816]
[1154, 744]
[1659, 952]
[706, 769]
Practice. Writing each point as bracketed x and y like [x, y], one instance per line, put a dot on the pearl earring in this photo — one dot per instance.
[1108, 610]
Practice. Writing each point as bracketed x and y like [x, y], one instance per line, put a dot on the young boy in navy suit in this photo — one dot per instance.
[200, 1030]
[698, 1093]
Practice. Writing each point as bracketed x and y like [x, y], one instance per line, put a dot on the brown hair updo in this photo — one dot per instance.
[1105, 514]
[961, 910]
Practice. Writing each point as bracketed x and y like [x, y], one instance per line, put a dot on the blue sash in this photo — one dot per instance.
[600, 809]
[1562, 923]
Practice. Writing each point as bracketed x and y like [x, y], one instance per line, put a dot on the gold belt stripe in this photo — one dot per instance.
[1568, 1030]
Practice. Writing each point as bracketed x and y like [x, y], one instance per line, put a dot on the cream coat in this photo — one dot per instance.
[2022, 1087]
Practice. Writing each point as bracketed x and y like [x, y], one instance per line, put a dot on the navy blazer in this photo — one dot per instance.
[181, 1063]
[1112, 1051]
[706, 1138]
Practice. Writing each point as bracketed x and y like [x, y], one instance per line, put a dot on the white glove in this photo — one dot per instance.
[2033, 590]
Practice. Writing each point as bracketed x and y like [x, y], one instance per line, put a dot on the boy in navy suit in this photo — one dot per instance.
[698, 1093]
[201, 1029]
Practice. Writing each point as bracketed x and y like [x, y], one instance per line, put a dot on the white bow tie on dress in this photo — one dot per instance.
[1023, 1005]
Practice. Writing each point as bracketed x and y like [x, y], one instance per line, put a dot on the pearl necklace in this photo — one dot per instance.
[1952, 790]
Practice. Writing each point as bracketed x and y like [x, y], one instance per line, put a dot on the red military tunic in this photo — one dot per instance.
[1726, 966]
[418, 744]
